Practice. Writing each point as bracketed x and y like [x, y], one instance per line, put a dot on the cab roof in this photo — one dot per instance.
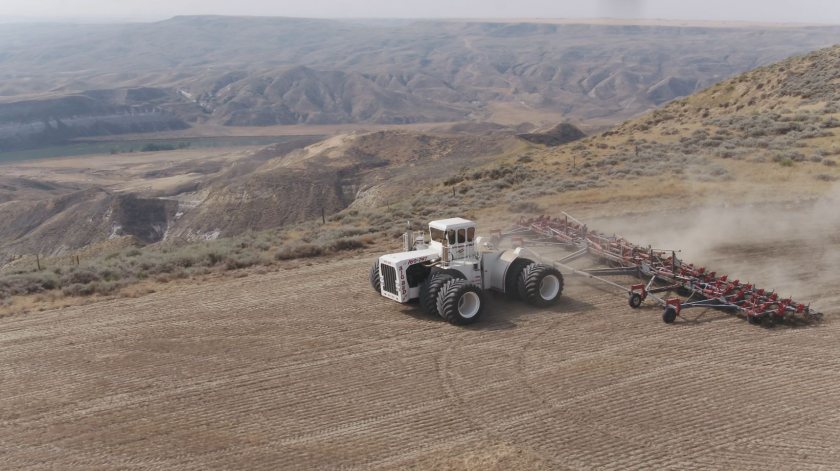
[451, 223]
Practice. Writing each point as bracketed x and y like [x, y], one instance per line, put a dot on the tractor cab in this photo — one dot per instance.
[453, 238]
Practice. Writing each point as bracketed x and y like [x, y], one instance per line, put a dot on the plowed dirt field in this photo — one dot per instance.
[307, 368]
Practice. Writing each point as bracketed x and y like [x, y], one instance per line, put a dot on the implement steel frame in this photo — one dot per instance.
[661, 270]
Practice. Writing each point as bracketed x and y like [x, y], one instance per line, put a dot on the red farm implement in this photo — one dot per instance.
[661, 272]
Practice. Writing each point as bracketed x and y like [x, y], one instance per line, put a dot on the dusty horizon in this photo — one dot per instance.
[821, 12]
[559, 20]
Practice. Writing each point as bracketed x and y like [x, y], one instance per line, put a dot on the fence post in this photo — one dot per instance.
[38, 261]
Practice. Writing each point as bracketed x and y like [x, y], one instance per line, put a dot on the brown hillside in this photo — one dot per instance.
[740, 141]
[769, 134]
[207, 198]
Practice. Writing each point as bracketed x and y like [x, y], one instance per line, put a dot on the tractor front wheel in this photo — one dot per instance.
[375, 282]
[459, 302]
[429, 291]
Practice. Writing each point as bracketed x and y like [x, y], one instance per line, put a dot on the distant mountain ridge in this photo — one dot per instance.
[49, 121]
[267, 71]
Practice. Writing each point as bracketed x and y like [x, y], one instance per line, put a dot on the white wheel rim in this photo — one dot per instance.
[468, 305]
[549, 287]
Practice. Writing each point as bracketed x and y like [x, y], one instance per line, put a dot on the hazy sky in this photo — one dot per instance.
[822, 11]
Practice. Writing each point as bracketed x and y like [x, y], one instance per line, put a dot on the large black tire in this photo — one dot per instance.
[540, 285]
[429, 291]
[459, 302]
[375, 282]
[512, 277]
[670, 315]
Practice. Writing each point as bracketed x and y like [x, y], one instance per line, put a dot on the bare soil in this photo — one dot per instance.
[307, 368]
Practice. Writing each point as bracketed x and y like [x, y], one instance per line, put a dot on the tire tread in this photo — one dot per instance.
[447, 302]
[528, 285]
[375, 278]
[429, 291]
[513, 276]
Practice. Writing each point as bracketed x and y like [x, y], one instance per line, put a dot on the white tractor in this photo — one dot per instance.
[449, 273]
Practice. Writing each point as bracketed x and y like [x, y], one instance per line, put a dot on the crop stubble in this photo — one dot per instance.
[308, 368]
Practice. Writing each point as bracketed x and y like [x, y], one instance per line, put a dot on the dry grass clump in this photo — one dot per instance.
[27, 283]
[815, 78]
[109, 274]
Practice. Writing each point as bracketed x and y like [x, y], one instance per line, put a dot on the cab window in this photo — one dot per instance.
[462, 236]
[470, 234]
[451, 236]
[437, 235]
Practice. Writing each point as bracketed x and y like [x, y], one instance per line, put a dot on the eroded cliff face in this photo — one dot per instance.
[41, 122]
[146, 219]
[76, 220]
[251, 202]
[274, 187]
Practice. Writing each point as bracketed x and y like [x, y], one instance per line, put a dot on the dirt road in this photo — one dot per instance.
[308, 368]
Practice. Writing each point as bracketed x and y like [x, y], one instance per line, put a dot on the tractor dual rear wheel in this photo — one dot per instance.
[514, 273]
[540, 285]
[460, 302]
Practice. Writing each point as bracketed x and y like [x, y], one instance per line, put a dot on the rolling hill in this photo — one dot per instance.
[274, 187]
[769, 134]
[765, 136]
[58, 82]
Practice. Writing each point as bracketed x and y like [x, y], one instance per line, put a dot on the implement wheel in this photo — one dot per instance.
[670, 315]
[635, 300]
[754, 320]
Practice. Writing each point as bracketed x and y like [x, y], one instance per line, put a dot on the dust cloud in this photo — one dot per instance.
[793, 249]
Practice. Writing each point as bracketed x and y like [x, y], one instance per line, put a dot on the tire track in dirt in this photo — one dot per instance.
[239, 373]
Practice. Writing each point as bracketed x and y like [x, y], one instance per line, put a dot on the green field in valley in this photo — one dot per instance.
[116, 147]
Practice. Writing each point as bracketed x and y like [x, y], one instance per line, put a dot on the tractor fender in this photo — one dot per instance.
[496, 265]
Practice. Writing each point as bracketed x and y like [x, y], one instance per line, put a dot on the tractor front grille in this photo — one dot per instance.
[389, 278]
